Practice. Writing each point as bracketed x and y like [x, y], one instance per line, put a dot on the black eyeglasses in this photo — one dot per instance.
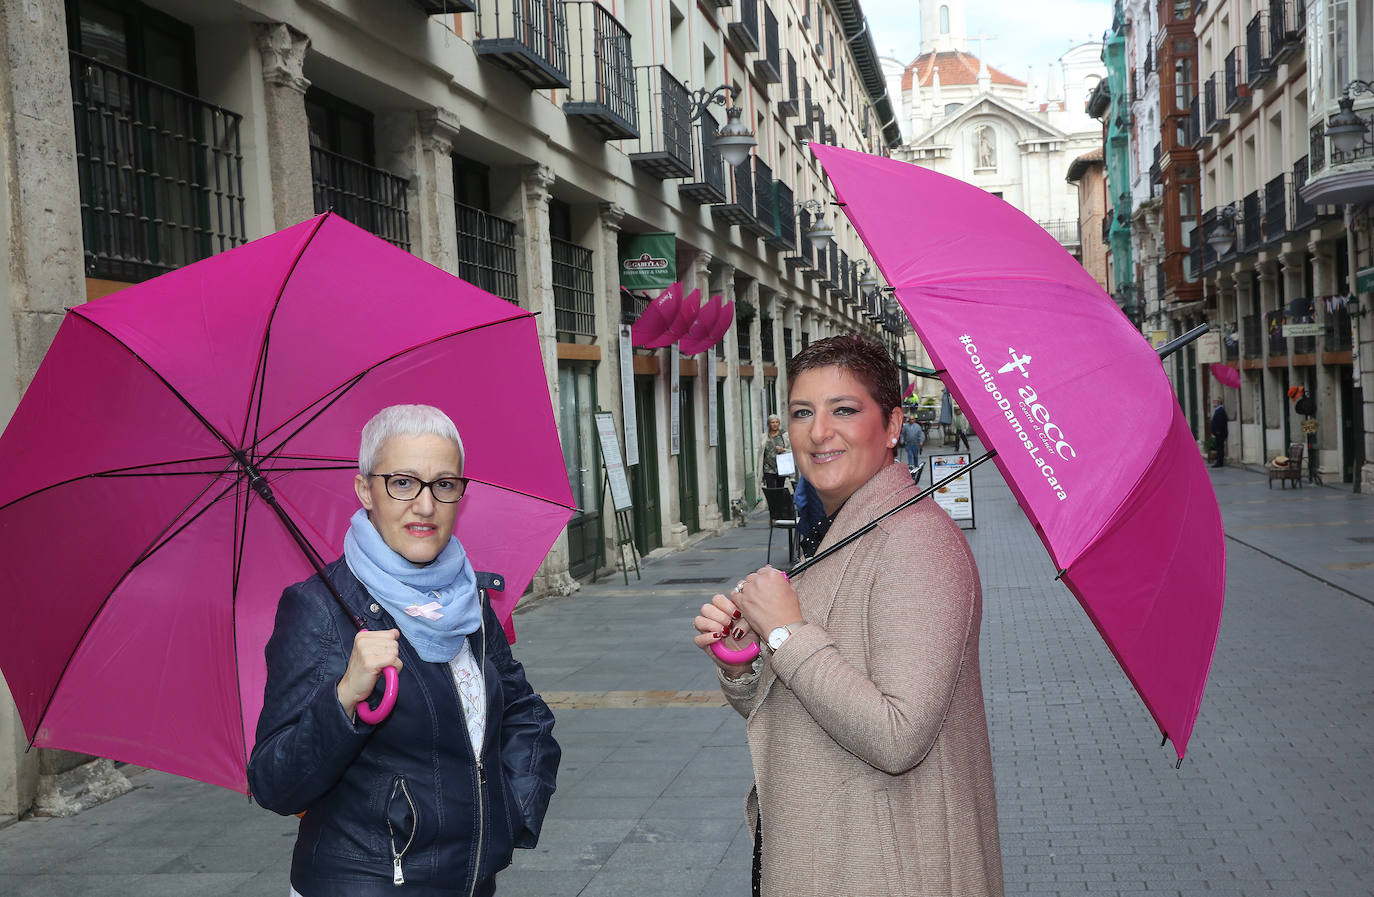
[407, 487]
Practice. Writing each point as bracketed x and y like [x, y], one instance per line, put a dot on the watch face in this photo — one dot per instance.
[777, 637]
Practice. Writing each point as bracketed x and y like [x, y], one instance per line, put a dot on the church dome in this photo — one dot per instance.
[955, 67]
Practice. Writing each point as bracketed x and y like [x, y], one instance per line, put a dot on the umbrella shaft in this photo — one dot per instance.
[1179, 342]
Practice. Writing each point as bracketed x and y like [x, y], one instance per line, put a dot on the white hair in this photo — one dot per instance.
[405, 420]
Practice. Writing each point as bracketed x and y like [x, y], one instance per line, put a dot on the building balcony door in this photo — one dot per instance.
[687, 458]
[577, 404]
[644, 475]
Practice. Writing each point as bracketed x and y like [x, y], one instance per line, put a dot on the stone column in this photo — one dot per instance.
[288, 132]
[709, 512]
[1361, 242]
[1275, 398]
[750, 293]
[607, 286]
[781, 309]
[732, 438]
[552, 577]
[433, 215]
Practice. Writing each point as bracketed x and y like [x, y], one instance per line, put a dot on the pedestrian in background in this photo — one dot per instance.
[1219, 430]
[865, 718]
[775, 443]
[961, 429]
[438, 794]
[914, 438]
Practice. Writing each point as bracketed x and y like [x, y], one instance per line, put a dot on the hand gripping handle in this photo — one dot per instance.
[729, 655]
[372, 716]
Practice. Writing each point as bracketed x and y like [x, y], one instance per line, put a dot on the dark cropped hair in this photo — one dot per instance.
[866, 361]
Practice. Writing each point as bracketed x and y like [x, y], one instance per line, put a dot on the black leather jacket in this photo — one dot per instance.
[406, 797]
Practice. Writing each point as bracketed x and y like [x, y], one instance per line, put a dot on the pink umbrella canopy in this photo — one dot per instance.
[1226, 375]
[654, 320]
[698, 335]
[145, 620]
[687, 311]
[1075, 403]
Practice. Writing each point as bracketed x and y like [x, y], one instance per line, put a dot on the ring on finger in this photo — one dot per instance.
[739, 587]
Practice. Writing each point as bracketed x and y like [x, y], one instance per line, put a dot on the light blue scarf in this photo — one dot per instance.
[436, 606]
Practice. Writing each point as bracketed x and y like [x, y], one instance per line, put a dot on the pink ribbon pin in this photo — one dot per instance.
[429, 611]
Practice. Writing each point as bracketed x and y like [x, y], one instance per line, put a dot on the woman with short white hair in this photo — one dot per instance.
[439, 793]
[775, 443]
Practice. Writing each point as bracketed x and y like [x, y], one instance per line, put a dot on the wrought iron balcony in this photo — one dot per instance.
[486, 251]
[1276, 344]
[846, 275]
[1317, 149]
[1336, 335]
[802, 129]
[1196, 136]
[441, 7]
[744, 31]
[746, 352]
[1276, 209]
[784, 235]
[602, 92]
[791, 100]
[664, 149]
[787, 343]
[1161, 282]
[765, 211]
[372, 198]
[1304, 215]
[573, 306]
[1252, 337]
[1065, 230]
[707, 184]
[1214, 121]
[738, 205]
[528, 37]
[819, 270]
[1156, 173]
[1204, 229]
[1287, 22]
[1237, 88]
[1257, 47]
[801, 255]
[1195, 253]
[160, 173]
[1250, 234]
[769, 68]
[766, 340]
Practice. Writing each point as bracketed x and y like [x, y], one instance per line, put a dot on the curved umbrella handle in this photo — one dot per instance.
[372, 716]
[729, 655]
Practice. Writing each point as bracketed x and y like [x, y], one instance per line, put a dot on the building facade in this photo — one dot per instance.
[143, 136]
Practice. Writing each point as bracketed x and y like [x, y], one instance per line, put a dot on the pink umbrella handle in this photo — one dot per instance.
[371, 716]
[729, 655]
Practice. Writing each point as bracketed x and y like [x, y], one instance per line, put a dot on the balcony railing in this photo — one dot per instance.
[846, 276]
[1209, 108]
[800, 257]
[602, 92]
[1317, 150]
[441, 7]
[1208, 258]
[1237, 89]
[486, 251]
[1257, 47]
[1276, 208]
[1250, 233]
[1195, 253]
[790, 103]
[763, 224]
[744, 31]
[664, 149]
[746, 352]
[1252, 336]
[1336, 336]
[766, 340]
[707, 184]
[528, 37]
[738, 205]
[769, 68]
[1156, 174]
[160, 174]
[1304, 215]
[371, 198]
[1065, 230]
[1161, 282]
[1196, 135]
[787, 343]
[573, 307]
[802, 129]
[784, 235]
[1275, 342]
[1287, 21]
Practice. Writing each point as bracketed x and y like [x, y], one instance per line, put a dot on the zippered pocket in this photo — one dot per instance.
[402, 821]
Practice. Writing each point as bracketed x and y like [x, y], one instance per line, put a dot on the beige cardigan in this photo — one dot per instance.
[872, 770]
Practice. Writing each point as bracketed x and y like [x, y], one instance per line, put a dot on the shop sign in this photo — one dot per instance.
[1209, 348]
[1364, 281]
[1302, 330]
[648, 261]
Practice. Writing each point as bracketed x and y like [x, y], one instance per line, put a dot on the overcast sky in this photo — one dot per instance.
[1021, 33]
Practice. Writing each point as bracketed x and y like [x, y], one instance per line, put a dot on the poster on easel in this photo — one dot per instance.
[956, 496]
[627, 397]
[610, 456]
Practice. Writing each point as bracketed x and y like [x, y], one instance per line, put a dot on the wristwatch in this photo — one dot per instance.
[781, 634]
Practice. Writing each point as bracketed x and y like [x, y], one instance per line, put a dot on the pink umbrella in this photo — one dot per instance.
[655, 318]
[699, 333]
[1075, 404]
[723, 322]
[1226, 375]
[686, 314]
[143, 559]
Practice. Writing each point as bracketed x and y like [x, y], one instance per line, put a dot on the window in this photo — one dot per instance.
[951, 108]
[339, 126]
[944, 20]
[135, 38]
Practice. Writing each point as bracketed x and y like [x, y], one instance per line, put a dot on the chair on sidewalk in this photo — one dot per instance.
[782, 514]
[1290, 472]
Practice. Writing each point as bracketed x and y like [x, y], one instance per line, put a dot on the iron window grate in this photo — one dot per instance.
[574, 312]
[486, 251]
[371, 198]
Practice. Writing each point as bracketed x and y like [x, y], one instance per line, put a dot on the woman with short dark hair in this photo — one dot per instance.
[873, 771]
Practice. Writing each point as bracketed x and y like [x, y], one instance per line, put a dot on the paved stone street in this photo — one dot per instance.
[1274, 797]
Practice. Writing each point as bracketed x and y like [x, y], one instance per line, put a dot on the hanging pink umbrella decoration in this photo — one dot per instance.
[696, 339]
[686, 314]
[654, 320]
[718, 330]
[1226, 375]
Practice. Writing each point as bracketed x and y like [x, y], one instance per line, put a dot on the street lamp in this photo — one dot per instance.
[818, 232]
[867, 282]
[1222, 236]
[735, 140]
[1346, 129]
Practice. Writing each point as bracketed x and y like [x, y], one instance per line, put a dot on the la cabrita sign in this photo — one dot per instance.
[648, 261]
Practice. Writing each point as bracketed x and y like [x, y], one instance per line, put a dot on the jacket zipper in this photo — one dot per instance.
[397, 875]
[481, 773]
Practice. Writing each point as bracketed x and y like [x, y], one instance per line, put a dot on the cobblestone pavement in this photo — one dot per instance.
[1273, 799]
